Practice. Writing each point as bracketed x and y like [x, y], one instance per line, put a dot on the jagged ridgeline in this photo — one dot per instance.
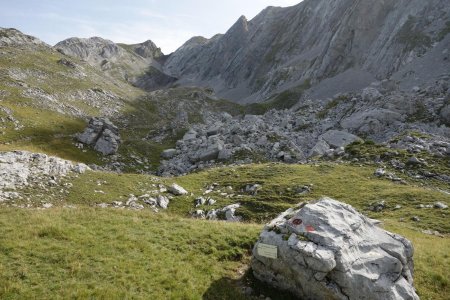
[138, 159]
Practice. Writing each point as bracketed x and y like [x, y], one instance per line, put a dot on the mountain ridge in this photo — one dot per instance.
[313, 40]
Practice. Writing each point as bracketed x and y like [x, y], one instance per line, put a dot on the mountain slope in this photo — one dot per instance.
[284, 47]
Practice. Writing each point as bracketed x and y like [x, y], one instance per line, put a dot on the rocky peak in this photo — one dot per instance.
[147, 49]
[240, 27]
[93, 50]
[196, 40]
[11, 37]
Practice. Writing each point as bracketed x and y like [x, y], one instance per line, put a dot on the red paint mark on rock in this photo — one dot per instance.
[297, 222]
[309, 228]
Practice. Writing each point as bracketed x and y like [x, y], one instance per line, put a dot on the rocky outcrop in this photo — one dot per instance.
[327, 250]
[283, 48]
[102, 135]
[21, 169]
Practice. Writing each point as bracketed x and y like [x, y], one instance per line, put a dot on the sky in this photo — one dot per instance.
[168, 23]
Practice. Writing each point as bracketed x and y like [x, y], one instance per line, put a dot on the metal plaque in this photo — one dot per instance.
[269, 251]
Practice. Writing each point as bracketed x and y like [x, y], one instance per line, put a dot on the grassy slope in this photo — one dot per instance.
[348, 183]
[117, 254]
[44, 129]
[105, 254]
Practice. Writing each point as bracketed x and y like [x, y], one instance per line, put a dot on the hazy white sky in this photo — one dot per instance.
[169, 23]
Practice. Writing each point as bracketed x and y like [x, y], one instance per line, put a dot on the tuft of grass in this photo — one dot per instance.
[443, 33]
[412, 37]
[330, 105]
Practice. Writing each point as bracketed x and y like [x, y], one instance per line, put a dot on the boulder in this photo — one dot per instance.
[440, 205]
[252, 189]
[210, 153]
[327, 250]
[370, 94]
[169, 153]
[212, 131]
[108, 143]
[337, 139]
[371, 121]
[177, 190]
[163, 201]
[224, 154]
[200, 201]
[320, 149]
[102, 134]
[190, 135]
[445, 114]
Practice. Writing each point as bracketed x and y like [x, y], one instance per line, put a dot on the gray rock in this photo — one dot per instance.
[199, 214]
[163, 201]
[379, 206]
[101, 134]
[212, 131]
[108, 143]
[212, 215]
[200, 201]
[128, 62]
[440, 205]
[380, 172]
[252, 189]
[10, 37]
[80, 168]
[168, 153]
[224, 154]
[20, 169]
[333, 252]
[370, 94]
[336, 138]
[445, 114]
[320, 149]
[190, 135]
[230, 211]
[177, 190]
[414, 161]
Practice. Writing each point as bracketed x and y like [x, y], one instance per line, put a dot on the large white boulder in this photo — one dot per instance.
[327, 250]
